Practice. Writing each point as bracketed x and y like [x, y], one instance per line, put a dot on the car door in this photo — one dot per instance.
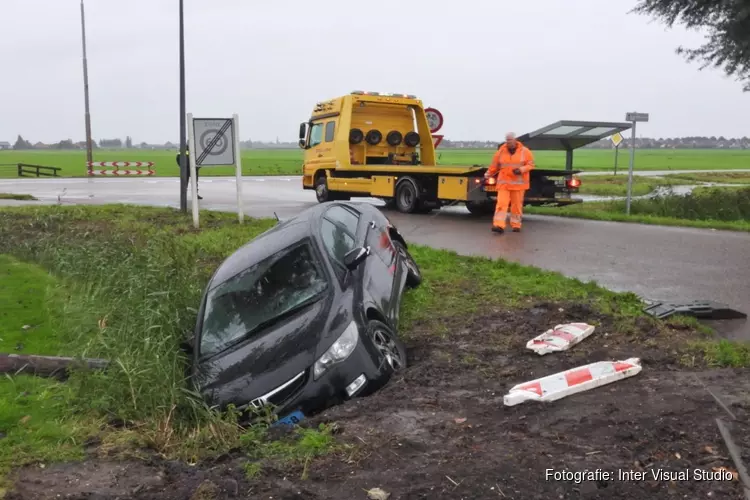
[383, 267]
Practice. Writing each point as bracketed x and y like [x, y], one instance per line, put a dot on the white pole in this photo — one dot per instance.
[238, 164]
[193, 180]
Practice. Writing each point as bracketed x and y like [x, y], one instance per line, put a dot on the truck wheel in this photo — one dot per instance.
[479, 208]
[321, 189]
[407, 196]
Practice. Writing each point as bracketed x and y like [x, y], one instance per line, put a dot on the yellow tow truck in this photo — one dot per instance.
[373, 145]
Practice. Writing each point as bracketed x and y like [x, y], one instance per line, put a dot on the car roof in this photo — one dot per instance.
[283, 235]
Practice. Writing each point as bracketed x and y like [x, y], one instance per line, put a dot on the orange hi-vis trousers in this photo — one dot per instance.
[506, 197]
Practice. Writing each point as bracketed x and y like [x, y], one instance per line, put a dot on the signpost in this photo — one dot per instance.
[634, 118]
[435, 122]
[214, 142]
[616, 140]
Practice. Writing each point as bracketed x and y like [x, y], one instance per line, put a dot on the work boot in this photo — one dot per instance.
[516, 229]
[498, 230]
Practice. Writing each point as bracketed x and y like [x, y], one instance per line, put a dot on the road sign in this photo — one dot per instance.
[214, 141]
[616, 139]
[437, 139]
[636, 117]
[434, 119]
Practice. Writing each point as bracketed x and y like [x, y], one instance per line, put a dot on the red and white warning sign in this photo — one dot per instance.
[559, 385]
[434, 119]
[560, 338]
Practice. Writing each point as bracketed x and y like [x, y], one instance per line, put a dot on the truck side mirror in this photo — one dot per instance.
[302, 135]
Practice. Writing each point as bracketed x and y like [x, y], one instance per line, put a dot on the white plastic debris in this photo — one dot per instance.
[559, 385]
[560, 338]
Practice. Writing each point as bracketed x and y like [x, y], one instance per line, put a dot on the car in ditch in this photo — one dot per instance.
[305, 315]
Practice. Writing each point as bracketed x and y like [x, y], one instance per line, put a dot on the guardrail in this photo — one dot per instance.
[27, 170]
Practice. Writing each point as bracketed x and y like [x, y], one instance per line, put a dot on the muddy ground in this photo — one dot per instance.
[441, 430]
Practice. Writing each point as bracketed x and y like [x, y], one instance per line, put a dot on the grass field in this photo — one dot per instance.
[289, 161]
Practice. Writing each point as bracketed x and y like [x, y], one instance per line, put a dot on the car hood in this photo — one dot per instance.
[265, 362]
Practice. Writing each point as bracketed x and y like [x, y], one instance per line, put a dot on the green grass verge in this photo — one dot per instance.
[705, 207]
[13, 196]
[289, 161]
[122, 283]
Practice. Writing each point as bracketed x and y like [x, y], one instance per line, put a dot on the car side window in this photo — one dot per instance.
[316, 135]
[330, 129]
[337, 240]
[345, 217]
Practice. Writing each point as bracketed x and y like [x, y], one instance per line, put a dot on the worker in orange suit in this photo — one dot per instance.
[510, 166]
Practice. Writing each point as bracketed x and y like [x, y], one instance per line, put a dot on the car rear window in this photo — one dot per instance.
[263, 292]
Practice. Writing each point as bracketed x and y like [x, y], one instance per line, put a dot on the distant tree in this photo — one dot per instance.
[65, 144]
[727, 23]
[21, 143]
[129, 142]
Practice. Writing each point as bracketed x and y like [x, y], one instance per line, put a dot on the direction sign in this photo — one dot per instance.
[636, 117]
[434, 119]
[214, 141]
[616, 139]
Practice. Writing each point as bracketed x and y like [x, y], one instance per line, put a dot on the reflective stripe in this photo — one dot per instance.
[515, 218]
[519, 183]
[501, 216]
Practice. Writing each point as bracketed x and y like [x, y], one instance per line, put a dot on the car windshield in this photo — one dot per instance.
[260, 295]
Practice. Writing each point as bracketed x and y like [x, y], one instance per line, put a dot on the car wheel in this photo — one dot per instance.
[391, 351]
[413, 273]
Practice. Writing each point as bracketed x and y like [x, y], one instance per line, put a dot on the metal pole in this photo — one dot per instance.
[617, 153]
[89, 154]
[183, 146]
[630, 169]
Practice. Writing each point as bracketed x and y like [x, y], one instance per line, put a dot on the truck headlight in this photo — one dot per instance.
[338, 352]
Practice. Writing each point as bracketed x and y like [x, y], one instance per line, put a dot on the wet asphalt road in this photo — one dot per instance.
[657, 263]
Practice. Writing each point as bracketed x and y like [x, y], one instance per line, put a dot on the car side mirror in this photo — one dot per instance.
[355, 257]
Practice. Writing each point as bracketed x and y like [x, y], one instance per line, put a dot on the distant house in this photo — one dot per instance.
[4, 145]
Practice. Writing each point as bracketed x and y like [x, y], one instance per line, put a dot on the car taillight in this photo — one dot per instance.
[573, 182]
[490, 181]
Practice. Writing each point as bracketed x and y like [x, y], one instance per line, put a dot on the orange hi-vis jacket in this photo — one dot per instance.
[503, 163]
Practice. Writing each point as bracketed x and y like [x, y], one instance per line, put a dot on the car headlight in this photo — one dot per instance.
[339, 351]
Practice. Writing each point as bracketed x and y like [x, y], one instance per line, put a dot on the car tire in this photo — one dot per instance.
[391, 351]
[407, 196]
[413, 273]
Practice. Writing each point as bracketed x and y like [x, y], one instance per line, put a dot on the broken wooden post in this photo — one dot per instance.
[46, 366]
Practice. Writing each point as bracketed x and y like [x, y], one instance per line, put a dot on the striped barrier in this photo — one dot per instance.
[560, 338]
[137, 170]
[559, 385]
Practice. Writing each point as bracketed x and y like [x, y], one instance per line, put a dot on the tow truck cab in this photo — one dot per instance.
[367, 144]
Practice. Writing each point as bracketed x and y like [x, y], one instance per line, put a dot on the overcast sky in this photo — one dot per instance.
[488, 66]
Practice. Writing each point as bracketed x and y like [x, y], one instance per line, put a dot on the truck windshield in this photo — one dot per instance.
[259, 296]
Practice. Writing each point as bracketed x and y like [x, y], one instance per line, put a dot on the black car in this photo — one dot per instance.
[306, 314]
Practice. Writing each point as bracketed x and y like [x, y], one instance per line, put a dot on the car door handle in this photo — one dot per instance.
[372, 224]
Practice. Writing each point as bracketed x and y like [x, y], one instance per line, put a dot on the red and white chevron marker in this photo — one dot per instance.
[559, 385]
[118, 172]
[118, 164]
[560, 338]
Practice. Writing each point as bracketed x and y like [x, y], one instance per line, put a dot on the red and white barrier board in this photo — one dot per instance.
[560, 338]
[130, 168]
[559, 385]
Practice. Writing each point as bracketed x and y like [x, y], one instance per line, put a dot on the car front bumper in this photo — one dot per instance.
[344, 380]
